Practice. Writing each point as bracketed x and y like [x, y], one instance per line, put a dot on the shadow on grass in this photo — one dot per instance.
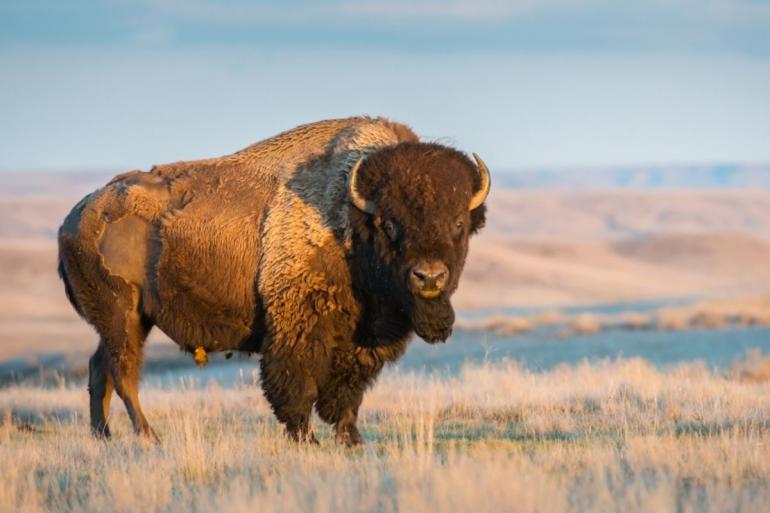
[709, 429]
[35, 419]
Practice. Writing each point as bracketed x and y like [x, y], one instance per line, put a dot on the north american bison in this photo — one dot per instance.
[322, 248]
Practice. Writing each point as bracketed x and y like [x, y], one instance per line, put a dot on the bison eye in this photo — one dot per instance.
[390, 229]
[458, 229]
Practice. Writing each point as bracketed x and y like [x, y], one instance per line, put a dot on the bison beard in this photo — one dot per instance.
[392, 310]
[432, 319]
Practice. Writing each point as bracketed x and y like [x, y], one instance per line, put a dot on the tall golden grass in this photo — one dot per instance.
[610, 436]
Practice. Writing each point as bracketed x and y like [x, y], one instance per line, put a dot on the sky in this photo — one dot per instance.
[124, 84]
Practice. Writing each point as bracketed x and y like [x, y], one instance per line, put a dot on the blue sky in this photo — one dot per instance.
[528, 83]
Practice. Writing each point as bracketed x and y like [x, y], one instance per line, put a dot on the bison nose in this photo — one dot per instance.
[428, 279]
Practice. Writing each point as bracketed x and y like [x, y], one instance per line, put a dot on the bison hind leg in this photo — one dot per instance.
[117, 363]
[100, 392]
[126, 348]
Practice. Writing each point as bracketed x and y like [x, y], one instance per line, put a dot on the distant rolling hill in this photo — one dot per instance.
[639, 177]
[616, 177]
[564, 238]
[613, 235]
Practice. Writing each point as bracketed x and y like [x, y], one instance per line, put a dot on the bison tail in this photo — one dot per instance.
[68, 287]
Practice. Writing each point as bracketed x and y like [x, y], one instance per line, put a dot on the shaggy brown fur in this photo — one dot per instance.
[262, 251]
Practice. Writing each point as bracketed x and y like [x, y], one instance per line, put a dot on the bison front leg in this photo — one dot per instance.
[339, 406]
[346, 430]
[341, 396]
[291, 393]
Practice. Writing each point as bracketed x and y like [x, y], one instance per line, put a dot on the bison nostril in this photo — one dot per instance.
[429, 278]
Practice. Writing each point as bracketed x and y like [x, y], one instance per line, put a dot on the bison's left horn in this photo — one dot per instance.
[483, 191]
[358, 200]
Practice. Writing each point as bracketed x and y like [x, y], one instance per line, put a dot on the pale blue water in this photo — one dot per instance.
[718, 349]
[599, 309]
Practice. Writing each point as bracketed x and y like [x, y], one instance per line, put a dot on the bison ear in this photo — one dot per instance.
[356, 198]
[478, 218]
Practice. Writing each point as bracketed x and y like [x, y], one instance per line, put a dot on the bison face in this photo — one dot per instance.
[417, 204]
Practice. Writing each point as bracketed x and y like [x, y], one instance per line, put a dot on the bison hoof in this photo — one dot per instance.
[149, 434]
[348, 437]
[102, 433]
[303, 438]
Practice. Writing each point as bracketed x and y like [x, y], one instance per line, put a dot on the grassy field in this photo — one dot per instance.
[613, 436]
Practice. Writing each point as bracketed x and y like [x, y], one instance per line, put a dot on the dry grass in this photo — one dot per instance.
[754, 368]
[613, 436]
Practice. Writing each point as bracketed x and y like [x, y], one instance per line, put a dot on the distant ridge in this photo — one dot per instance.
[706, 176]
[639, 177]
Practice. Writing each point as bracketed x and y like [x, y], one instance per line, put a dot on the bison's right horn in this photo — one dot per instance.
[483, 191]
[356, 198]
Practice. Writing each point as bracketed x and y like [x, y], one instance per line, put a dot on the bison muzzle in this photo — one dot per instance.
[322, 249]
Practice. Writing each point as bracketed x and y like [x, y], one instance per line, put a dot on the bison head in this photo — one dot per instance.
[417, 204]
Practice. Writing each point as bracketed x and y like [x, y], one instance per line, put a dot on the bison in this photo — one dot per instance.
[322, 249]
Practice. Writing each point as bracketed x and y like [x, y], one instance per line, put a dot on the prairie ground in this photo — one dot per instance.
[606, 436]
[619, 435]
